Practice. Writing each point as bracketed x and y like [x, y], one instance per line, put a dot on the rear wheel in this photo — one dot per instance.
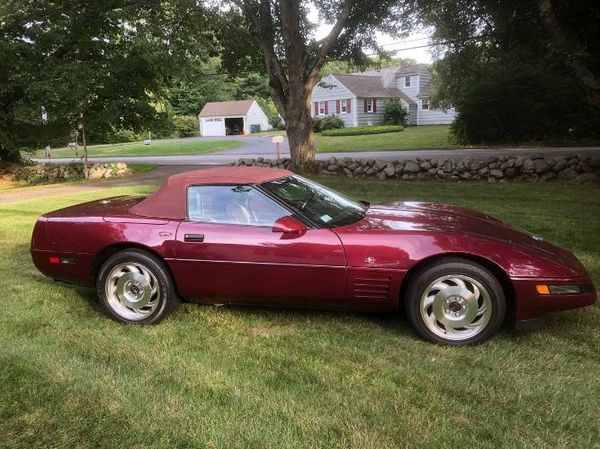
[455, 302]
[135, 288]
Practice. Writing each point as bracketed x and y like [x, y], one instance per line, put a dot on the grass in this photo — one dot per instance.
[270, 133]
[227, 377]
[412, 138]
[166, 147]
[5, 185]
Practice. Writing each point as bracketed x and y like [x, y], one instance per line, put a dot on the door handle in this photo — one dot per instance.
[193, 237]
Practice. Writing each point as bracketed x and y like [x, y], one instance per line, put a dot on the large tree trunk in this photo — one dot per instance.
[291, 84]
[300, 133]
[571, 56]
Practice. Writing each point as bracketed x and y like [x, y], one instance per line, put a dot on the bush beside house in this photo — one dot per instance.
[363, 130]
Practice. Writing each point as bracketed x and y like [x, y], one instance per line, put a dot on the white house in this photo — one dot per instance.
[358, 98]
[232, 117]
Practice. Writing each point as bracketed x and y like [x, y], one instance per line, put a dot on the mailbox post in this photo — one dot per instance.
[277, 140]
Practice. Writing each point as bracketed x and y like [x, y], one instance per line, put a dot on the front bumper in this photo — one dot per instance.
[531, 305]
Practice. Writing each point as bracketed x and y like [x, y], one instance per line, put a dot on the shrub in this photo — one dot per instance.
[329, 122]
[110, 135]
[186, 126]
[317, 122]
[394, 113]
[332, 122]
[363, 130]
[275, 122]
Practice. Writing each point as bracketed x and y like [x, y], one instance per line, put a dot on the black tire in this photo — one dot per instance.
[443, 272]
[164, 297]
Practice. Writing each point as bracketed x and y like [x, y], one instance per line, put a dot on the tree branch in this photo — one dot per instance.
[328, 42]
[584, 76]
[266, 40]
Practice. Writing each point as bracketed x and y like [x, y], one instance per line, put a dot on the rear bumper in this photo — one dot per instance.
[77, 271]
[530, 305]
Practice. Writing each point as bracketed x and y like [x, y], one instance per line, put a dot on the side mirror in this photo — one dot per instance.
[289, 227]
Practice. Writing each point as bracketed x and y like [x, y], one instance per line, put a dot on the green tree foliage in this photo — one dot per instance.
[503, 73]
[521, 103]
[198, 84]
[95, 64]
[394, 113]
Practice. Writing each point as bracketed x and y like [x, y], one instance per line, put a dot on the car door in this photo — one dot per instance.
[227, 249]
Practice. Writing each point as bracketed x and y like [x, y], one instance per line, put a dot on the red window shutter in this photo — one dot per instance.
[374, 104]
[348, 103]
[316, 108]
[326, 108]
[365, 101]
[337, 106]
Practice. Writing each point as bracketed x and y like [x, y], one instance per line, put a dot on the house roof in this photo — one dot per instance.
[371, 86]
[417, 68]
[225, 108]
[170, 200]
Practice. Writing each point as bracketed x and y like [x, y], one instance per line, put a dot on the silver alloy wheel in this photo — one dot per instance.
[456, 307]
[132, 291]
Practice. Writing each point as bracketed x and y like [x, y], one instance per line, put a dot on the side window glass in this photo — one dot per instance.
[242, 205]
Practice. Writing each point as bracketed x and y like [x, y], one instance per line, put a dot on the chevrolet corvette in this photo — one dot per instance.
[268, 237]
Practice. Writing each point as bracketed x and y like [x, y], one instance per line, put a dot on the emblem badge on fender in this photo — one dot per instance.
[370, 260]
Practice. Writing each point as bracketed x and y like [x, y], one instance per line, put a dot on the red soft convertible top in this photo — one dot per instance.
[169, 201]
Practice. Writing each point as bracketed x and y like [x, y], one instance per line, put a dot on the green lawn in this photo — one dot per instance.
[412, 138]
[167, 147]
[226, 377]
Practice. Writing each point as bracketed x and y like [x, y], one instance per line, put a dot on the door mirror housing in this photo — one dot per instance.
[289, 227]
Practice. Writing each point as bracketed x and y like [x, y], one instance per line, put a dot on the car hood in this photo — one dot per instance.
[446, 218]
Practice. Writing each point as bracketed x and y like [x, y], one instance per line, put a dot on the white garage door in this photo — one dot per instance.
[213, 126]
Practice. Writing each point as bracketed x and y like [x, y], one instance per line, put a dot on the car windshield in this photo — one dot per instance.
[319, 204]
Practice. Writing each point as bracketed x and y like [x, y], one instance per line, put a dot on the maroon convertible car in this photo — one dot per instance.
[261, 236]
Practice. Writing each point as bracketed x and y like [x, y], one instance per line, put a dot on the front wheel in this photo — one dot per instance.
[135, 288]
[455, 302]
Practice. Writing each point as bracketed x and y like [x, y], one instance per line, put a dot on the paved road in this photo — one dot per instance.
[262, 147]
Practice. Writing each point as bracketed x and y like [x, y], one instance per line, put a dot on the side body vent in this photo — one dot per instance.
[371, 286]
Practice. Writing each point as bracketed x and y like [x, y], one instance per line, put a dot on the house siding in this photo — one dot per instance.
[369, 118]
[415, 84]
[335, 91]
[256, 116]
[412, 114]
[436, 116]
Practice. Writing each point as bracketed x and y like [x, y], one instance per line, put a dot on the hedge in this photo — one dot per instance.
[363, 130]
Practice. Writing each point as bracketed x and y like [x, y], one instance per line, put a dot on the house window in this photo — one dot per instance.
[369, 105]
[425, 104]
[321, 108]
[407, 81]
[344, 106]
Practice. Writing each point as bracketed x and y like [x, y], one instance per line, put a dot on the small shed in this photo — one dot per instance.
[224, 118]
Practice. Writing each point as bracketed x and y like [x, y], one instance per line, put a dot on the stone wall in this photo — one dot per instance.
[495, 169]
[57, 173]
